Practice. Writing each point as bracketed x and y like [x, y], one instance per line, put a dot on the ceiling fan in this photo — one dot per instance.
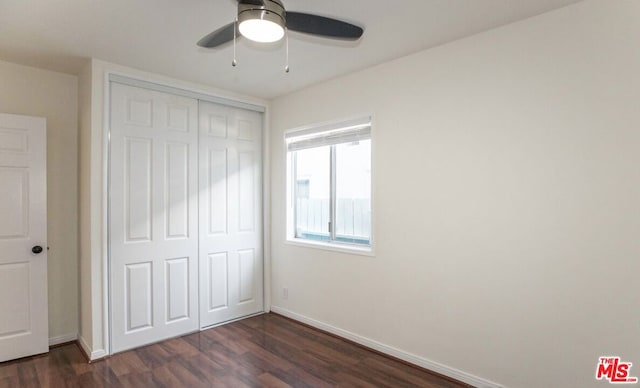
[267, 21]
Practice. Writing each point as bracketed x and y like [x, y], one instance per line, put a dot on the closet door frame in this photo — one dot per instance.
[184, 91]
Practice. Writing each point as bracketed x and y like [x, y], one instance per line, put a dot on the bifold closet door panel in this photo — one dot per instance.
[153, 216]
[231, 259]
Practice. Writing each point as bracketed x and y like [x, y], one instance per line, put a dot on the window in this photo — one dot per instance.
[329, 185]
[302, 188]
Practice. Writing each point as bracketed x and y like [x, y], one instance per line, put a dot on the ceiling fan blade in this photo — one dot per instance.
[252, 2]
[219, 37]
[323, 26]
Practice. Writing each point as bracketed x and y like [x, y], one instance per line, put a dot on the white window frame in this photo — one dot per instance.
[346, 129]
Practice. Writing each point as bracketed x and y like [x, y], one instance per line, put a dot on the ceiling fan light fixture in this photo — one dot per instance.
[267, 21]
[264, 23]
[261, 30]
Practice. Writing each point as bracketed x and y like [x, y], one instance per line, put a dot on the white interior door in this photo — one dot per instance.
[231, 258]
[153, 216]
[24, 324]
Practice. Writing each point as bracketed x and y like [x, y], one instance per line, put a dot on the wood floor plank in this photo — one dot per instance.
[270, 381]
[127, 363]
[349, 380]
[136, 380]
[301, 359]
[315, 346]
[27, 376]
[278, 362]
[178, 346]
[8, 371]
[9, 382]
[299, 378]
[263, 351]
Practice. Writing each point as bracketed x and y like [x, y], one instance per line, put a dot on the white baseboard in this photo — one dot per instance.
[391, 351]
[93, 354]
[61, 339]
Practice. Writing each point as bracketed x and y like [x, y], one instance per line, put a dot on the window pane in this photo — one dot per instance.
[353, 192]
[312, 192]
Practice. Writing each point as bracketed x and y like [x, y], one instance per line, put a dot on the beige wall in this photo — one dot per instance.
[506, 201]
[34, 92]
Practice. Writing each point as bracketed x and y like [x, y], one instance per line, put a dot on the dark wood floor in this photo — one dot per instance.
[263, 351]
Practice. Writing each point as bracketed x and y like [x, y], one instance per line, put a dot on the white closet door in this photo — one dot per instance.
[153, 216]
[231, 258]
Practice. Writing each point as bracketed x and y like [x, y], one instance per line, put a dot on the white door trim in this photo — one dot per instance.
[183, 92]
[125, 78]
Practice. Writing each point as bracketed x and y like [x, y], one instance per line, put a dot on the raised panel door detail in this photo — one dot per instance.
[245, 130]
[246, 271]
[246, 191]
[177, 190]
[15, 318]
[24, 326]
[217, 126]
[139, 112]
[217, 186]
[139, 296]
[153, 216]
[232, 210]
[218, 275]
[14, 202]
[12, 140]
[178, 118]
[137, 190]
[177, 287]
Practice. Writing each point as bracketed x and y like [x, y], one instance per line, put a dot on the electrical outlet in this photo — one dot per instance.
[285, 293]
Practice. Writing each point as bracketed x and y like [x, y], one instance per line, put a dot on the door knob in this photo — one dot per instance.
[37, 249]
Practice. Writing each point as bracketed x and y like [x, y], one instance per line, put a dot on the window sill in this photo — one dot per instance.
[335, 247]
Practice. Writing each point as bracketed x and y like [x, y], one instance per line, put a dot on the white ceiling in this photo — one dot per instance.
[160, 36]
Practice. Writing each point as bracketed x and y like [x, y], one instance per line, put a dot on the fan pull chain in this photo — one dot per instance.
[234, 63]
[286, 33]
